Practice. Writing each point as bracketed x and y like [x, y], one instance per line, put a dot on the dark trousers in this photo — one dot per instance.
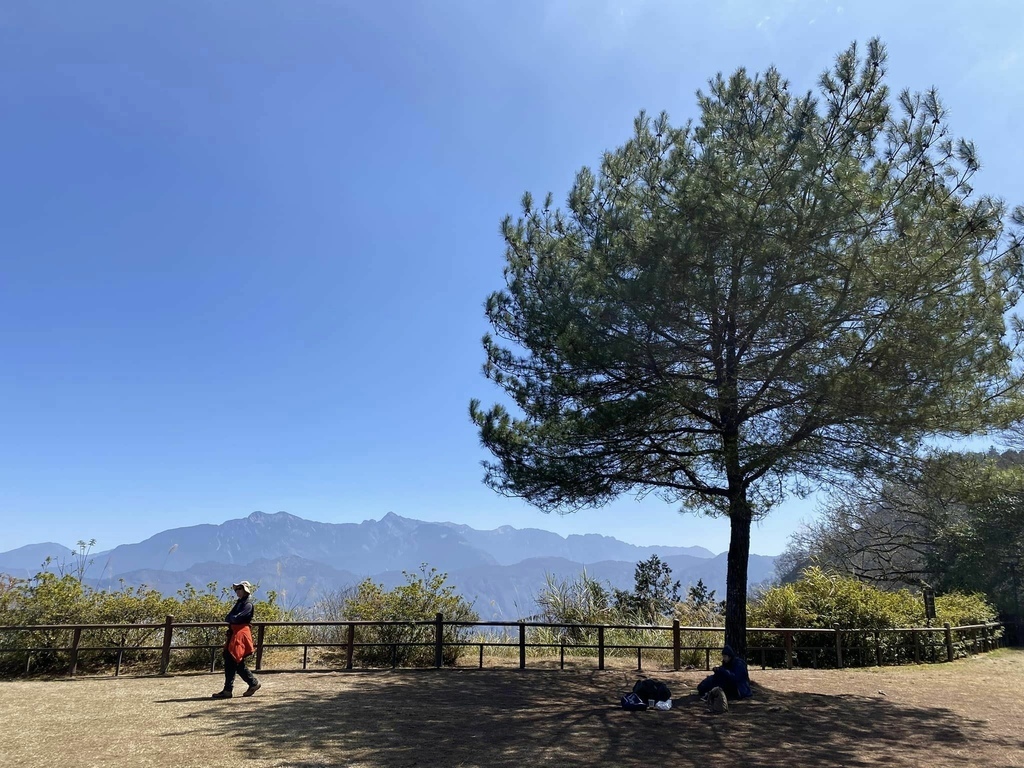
[718, 680]
[231, 667]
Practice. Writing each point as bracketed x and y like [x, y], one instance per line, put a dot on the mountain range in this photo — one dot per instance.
[500, 570]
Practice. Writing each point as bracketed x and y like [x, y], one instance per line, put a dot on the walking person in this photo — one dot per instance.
[239, 643]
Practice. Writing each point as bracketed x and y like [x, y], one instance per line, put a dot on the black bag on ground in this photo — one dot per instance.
[652, 689]
[633, 703]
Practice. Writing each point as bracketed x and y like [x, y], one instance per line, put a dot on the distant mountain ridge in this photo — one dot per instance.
[510, 545]
[303, 560]
[372, 546]
[26, 561]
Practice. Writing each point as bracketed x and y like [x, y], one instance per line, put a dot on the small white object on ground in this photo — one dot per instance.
[664, 706]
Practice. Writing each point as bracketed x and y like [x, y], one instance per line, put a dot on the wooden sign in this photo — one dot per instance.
[929, 604]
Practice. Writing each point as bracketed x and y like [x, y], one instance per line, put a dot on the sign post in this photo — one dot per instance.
[929, 604]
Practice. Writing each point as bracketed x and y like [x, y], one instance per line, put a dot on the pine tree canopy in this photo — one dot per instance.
[790, 288]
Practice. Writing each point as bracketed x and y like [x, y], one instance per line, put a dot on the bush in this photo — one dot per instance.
[52, 599]
[421, 598]
[46, 599]
[582, 600]
[127, 605]
[698, 613]
[823, 599]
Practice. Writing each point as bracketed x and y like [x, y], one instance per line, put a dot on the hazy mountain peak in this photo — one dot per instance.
[26, 561]
[263, 517]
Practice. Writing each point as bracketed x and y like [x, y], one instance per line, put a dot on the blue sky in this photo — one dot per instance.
[245, 245]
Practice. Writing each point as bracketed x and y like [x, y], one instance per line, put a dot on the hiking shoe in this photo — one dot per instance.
[253, 688]
[221, 695]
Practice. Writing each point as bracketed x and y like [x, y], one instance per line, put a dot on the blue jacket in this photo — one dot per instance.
[736, 673]
[241, 612]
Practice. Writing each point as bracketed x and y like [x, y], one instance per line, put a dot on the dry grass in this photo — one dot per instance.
[966, 713]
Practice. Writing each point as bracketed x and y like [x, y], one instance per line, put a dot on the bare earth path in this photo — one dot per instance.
[967, 713]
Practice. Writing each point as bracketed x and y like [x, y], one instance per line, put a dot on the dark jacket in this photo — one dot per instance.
[736, 673]
[241, 613]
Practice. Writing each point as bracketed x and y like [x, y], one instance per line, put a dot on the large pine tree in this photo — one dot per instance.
[793, 288]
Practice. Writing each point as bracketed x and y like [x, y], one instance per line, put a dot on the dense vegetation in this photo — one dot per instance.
[816, 599]
[63, 597]
[952, 522]
[421, 598]
[819, 598]
[54, 599]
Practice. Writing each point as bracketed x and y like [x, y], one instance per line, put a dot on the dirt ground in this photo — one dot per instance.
[967, 713]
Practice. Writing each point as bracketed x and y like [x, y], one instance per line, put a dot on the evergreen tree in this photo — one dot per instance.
[654, 592]
[792, 288]
[700, 595]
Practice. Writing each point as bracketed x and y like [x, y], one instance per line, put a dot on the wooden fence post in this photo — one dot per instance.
[522, 645]
[350, 645]
[839, 646]
[439, 640]
[165, 651]
[787, 641]
[259, 646]
[600, 647]
[677, 662]
[76, 638]
[949, 641]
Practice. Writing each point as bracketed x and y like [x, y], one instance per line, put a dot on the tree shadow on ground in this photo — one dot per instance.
[516, 718]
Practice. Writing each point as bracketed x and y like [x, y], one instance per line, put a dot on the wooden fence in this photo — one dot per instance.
[793, 646]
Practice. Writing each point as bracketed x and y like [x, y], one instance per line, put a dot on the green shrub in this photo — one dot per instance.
[574, 602]
[46, 599]
[824, 599]
[424, 595]
[52, 599]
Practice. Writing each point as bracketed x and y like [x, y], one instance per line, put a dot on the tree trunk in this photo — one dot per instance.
[736, 577]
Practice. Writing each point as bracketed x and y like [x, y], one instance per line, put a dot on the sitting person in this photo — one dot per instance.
[731, 677]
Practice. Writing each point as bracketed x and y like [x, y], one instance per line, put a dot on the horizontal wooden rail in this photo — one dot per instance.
[431, 622]
[911, 642]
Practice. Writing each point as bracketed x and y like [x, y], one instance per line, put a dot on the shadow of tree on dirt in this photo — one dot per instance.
[514, 718]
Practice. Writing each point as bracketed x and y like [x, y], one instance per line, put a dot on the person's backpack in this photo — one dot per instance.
[717, 701]
[652, 689]
[633, 703]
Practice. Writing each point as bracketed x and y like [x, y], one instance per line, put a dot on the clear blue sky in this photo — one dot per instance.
[245, 245]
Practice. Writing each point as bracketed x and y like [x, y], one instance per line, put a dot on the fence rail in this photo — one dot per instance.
[799, 646]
